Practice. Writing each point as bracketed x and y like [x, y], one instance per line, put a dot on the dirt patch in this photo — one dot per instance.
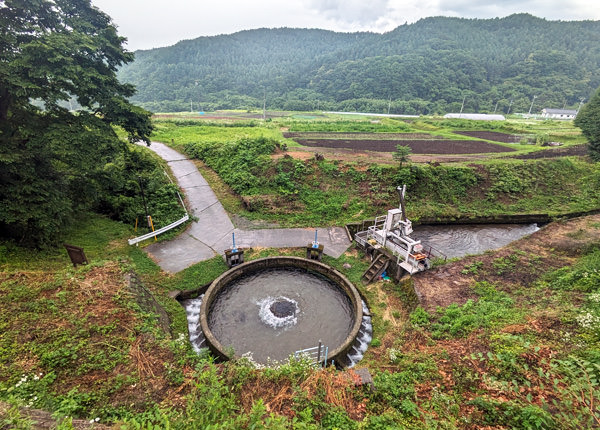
[495, 136]
[368, 157]
[571, 151]
[388, 302]
[298, 155]
[279, 396]
[41, 420]
[91, 337]
[522, 262]
[273, 203]
[423, 146]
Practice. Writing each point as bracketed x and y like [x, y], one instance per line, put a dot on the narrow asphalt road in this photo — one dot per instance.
[211, 234]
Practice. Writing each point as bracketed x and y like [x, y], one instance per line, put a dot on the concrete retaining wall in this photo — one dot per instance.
[540, 218]
[280, 262]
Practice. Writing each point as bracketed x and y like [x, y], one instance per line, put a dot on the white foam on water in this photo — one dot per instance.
[272, 320]
[192, 310]
[362, 341]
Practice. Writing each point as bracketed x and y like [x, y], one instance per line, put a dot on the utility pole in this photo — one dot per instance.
[580, 104]
[198, 95]
[530, 107]
[143, 198]
[265, 105]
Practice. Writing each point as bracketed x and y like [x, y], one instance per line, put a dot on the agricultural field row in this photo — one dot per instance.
[418, 146]
[357, 135]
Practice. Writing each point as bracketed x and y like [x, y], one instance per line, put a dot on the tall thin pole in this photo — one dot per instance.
[580, 104]
[530, 107]
[319, 352]
[265, 106]
[143, 196]
[496, 107]
[509, 105]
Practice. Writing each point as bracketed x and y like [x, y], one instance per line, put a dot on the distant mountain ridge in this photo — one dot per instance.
[425, 67]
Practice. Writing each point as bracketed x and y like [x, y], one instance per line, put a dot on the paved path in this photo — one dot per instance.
[210, 235]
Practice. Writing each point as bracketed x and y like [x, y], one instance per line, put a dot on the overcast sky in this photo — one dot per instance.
[155, 23]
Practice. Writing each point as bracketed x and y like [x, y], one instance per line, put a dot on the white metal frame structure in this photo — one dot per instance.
[392, 232]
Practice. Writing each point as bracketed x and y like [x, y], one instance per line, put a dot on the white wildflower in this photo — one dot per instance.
[394, 354]
[588, 320]
[594, 297]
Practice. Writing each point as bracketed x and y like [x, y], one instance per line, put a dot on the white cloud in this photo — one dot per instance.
[154, 23]
[550, 9]
[352, 11]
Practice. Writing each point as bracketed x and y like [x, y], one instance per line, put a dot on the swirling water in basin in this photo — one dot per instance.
[273, 313]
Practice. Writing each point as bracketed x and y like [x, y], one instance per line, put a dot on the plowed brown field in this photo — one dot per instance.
[418, 146]
[492, 135]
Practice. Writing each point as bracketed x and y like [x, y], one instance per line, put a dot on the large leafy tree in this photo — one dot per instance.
[588, 119]
[54, 53]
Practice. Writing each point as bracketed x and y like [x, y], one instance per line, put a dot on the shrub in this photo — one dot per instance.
[419, 317]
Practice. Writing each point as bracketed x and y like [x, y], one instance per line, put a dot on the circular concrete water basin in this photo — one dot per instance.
[269, 308]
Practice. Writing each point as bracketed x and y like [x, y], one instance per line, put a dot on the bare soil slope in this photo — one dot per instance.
[521, 263]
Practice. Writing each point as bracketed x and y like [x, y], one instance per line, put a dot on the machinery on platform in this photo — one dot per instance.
[391, 234]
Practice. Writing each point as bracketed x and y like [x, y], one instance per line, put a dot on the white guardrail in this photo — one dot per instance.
[159, 231]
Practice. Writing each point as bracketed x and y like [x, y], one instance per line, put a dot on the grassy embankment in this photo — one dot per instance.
[294, 192]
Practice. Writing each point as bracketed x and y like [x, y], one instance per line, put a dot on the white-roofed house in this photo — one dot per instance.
[559, 113]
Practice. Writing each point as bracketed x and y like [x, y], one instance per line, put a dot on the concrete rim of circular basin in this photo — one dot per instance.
[276, 262]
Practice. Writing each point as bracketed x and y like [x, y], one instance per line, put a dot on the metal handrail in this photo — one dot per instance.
[159, 231]
[318, 353]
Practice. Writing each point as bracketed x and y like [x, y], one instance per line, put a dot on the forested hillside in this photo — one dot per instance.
[421, 68]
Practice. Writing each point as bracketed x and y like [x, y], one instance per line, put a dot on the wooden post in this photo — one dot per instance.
[319, 352]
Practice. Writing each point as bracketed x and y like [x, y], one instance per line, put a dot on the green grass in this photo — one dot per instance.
[101, 238]
[178, 134]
